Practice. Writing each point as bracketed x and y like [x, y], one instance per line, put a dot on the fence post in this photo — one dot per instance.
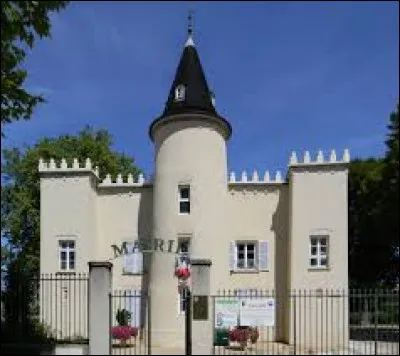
[188, 323]
[148, 324]
[202, 338]
[294, 323]
[376, 321]
[99, 308]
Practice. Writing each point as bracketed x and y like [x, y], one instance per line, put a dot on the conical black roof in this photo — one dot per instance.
[189, 93]
[190, 75]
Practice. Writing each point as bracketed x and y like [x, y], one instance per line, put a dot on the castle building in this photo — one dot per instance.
[261, 231]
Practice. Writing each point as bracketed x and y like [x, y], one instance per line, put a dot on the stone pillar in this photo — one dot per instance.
[202, 320]
[100, 284]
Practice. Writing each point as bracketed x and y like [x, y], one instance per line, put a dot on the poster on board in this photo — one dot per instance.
[257, 312]
[226, 312]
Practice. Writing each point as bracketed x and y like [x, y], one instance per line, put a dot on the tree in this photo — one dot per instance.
[374, 215]
[390, 199]
[21, 21]
[20, 204]
[20, 219]
[368, 252]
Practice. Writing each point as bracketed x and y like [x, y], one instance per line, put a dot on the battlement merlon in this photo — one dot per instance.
[52, 167]
[63, 167]
[255, 179]
[320, 159]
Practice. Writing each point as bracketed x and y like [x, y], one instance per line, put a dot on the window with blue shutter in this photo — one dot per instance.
[248, 255]
[232, 256]
[263, 260]
[133, 260]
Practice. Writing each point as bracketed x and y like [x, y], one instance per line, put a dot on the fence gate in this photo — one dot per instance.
[129, 323]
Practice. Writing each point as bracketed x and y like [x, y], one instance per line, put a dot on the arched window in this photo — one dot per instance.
[180, 93]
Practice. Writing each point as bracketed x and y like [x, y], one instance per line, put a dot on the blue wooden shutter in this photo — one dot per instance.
[133, 261]
[263, 259]
[138, 261]
[232, 256]
[129, 260]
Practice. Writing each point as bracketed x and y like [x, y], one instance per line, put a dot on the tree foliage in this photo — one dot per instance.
[367, 253]
[374, 215]
[390, 188]
[20, 193]
[21, 23]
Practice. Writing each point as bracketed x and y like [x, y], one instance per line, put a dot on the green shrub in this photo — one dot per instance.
[123, 317]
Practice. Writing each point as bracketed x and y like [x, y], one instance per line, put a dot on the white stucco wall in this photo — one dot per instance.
[318, 206]
[74, 204]
[124, 214]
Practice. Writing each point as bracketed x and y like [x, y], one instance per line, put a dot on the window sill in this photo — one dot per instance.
[66, 273]
[131, 274]
[247, 271]
[319, 269]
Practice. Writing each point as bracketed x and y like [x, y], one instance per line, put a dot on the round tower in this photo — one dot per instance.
[190, 187]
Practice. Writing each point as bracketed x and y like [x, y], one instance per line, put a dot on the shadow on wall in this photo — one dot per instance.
[280, 226]
[145, 231]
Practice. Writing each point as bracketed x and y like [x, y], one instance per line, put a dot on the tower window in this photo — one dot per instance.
[212, 97]
[184, 199]
[180, 93]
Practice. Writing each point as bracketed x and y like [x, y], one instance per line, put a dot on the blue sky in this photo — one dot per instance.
[287, 75]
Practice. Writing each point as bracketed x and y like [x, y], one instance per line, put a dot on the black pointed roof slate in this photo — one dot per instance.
[197, 98]
[190, 74]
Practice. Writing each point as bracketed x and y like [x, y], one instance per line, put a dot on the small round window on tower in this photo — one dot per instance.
[180, 93]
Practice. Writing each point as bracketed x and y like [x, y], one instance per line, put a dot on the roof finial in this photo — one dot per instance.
[189, 41]
[190, 23]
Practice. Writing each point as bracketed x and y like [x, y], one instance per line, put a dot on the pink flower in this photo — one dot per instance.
[123, 332]
[182, 272]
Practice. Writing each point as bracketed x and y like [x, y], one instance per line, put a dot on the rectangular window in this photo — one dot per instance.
[67, 255]
[318, 251]
[184, 200]
[246, 255]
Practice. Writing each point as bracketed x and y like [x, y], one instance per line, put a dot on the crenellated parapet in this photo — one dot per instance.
[255, 178]
[320, 159]
[52, 166]
[120, 182]
[63, 167]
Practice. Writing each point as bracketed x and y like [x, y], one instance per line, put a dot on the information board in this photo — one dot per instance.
[257, 312]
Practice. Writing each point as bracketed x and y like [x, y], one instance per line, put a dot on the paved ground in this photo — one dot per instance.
[272, 348]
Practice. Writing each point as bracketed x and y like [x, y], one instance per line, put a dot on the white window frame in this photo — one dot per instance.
[246, 243]
[68, 249]
[319, 255]
[180, 92]
[183, 200]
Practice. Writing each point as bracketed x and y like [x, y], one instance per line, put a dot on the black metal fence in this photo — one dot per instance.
[46, 309]
[306, 322]
[129, 323]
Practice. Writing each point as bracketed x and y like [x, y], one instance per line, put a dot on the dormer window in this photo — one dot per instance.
[212, 96]
[180, 93]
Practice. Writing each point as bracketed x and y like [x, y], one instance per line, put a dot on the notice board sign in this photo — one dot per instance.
[257, 312]
[226, 312]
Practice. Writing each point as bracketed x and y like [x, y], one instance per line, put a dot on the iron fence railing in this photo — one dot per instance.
[44, 309]
[362, 322]
[129, 323]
